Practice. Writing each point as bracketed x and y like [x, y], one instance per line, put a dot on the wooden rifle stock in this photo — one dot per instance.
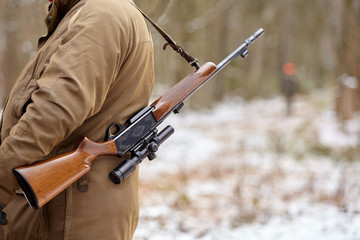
[43, 180]
[182, 90]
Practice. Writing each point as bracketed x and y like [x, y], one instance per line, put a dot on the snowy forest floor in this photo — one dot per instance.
[246, 170]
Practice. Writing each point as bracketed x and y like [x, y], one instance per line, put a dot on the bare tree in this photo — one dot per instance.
[8, 50]
[319, 37]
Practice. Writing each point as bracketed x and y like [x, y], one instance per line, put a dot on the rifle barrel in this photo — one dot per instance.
[240, 50]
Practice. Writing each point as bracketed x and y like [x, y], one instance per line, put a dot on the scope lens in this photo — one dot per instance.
[115, 177]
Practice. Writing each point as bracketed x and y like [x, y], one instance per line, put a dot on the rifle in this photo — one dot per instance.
[43, 180]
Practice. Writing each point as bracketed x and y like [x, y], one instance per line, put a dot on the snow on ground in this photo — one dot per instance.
[245, 170]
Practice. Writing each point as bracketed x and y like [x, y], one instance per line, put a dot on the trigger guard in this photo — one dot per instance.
[110, 134]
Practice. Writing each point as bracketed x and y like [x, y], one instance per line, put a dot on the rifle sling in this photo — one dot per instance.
[170, 42]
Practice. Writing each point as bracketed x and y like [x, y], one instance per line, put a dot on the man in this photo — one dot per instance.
[93, 68]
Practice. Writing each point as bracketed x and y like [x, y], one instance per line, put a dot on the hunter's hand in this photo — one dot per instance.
[3, 215]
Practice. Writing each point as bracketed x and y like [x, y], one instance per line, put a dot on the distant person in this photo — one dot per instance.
[288, 85]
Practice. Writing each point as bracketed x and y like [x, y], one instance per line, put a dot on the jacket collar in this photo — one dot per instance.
[57, 10]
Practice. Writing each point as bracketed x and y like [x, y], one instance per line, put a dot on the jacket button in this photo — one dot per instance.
[50, 18]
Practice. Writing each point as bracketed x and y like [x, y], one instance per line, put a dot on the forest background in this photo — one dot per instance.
[280, 176]
[321, 38]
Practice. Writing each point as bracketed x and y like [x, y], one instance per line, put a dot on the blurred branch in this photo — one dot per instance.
[202, 21]
[164, 16]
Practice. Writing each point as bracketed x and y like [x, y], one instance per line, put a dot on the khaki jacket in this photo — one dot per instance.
[93, 68]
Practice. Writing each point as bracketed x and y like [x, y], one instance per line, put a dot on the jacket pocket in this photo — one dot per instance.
[25, 98]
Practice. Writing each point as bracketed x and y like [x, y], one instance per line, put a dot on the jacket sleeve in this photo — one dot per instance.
[72, 88]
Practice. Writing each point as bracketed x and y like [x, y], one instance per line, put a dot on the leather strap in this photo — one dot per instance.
[170, 42]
